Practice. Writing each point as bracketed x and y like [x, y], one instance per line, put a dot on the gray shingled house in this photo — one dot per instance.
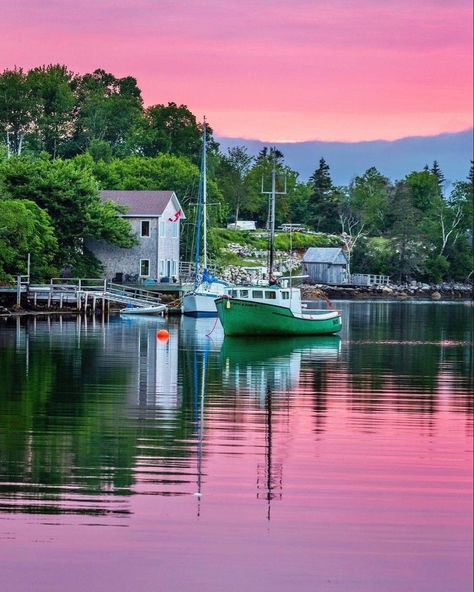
[155, 217]
[326, 265]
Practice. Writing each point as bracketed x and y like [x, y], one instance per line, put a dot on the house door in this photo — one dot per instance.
[168, 267]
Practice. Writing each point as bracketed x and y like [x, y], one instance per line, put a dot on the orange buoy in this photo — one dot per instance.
[162, 335]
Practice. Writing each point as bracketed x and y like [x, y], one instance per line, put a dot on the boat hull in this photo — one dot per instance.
[241, 317]
[200, 305]
[144, 310]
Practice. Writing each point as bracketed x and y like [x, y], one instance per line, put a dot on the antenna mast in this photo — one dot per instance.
[273, 193]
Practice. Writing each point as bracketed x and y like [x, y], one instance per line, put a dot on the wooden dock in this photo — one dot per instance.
[88, 294]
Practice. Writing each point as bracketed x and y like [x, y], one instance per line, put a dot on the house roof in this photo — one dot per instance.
[325, 255]
[146, 203]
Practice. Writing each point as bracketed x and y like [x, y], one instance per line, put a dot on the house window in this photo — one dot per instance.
[257, 293]
[174, 267]
[162, 228]
[162, 267]
[174, 229]
[145, 228]
[144, 267]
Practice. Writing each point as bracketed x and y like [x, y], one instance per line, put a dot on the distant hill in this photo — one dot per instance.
[394, 159]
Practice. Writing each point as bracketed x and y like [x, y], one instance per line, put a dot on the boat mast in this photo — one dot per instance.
[204, 192]
[201, 209]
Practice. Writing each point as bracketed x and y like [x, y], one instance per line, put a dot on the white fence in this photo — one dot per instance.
[368, 279]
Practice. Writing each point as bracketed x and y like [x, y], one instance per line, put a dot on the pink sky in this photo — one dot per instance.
[274, 70]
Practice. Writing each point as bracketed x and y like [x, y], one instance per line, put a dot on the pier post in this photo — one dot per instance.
[18, 290]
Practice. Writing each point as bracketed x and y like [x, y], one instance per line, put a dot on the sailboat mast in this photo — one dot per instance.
[199, 214]
[272, 224]
[204, 193]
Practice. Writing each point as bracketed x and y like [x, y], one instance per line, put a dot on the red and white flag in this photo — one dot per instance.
[176, 217]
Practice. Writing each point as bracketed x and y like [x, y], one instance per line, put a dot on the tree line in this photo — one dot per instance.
[66, 136]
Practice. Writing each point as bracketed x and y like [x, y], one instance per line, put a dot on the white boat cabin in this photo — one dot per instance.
[276, 295]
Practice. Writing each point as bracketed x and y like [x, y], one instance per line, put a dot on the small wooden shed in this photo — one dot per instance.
[325, 265]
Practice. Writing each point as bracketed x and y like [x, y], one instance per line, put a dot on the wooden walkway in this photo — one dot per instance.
[82, 293]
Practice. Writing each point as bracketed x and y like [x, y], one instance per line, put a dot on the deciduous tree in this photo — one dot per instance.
[17, 109]
[26, 229]
[232, 177]
[52, 90]
[68, 193]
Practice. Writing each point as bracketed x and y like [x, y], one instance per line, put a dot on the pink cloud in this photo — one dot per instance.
[356, 64]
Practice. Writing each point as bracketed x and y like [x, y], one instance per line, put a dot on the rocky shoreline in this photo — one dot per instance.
[414, 291]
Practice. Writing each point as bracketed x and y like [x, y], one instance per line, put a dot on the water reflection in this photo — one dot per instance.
[93, 412]
[349, 458]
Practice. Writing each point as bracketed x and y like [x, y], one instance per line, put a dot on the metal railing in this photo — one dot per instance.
[115, 291]
[79, 283]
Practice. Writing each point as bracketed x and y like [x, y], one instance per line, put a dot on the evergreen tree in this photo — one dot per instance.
[323, 201]
[269, 153]
[436, 170]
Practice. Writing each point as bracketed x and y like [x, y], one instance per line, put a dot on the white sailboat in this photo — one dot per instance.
[201, 301]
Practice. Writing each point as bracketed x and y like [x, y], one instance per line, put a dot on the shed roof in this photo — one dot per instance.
[334, 255]
[146, 203]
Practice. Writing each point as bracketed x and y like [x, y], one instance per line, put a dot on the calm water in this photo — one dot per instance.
[339, 464]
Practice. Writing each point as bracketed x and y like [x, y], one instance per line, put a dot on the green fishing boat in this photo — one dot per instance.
[276, 312]
[273, 309]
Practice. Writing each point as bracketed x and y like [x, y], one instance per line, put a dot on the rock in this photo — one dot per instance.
[435, 296]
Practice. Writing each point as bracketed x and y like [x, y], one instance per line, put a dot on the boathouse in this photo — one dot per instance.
[325, 265]
[155, 217]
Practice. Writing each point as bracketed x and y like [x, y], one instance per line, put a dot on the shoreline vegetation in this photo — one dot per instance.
[65, 136]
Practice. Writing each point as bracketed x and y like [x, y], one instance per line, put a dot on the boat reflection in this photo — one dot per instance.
[256, 363]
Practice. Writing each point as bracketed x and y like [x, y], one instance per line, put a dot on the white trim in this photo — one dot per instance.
[140, 215]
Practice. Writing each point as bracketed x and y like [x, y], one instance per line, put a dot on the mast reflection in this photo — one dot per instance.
[270, 370]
